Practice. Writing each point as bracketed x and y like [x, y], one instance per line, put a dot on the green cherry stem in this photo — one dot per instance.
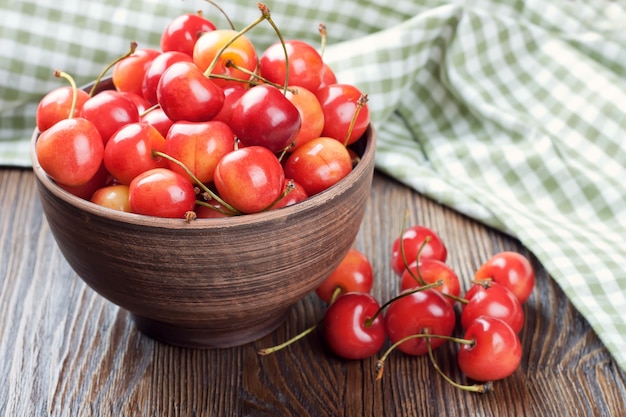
[212, 3]
[68, 77]
[323, 36]
[133, 47]
[359, 105]
[265, 11]
[204, 188]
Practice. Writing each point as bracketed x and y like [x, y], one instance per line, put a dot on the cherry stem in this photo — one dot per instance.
[480, 388]
[359, 105]
[323, 37]
[205, 204]
[289, 187]
[68, 77]
[252, 74]
[204, 188]
[266, 13]
[221, 11]
[370, 320]
[133, 47]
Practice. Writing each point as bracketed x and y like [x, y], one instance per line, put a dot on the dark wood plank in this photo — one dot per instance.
[65, 351]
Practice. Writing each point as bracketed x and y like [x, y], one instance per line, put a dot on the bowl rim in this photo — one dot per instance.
[366, 159]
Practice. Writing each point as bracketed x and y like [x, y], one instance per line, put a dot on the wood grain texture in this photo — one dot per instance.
[65, 351]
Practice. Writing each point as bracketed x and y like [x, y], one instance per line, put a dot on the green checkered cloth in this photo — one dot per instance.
[513, 113]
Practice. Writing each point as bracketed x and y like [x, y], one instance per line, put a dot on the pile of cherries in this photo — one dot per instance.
[423, 316]
[204, 126]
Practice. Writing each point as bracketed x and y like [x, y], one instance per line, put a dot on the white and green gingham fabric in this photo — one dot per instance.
[513, 113]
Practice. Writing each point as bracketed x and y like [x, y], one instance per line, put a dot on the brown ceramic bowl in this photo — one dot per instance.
[212, 282]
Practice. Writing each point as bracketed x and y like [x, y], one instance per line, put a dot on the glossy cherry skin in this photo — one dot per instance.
[154, 72]
[263, 116]
[421, 312]
[128, 74]
[161, 192]
[250, 179]
[354, 274]
[157, 118]
[232, 94]
[109, 111]
[199, 146]
[511, 269]
[328, 77]
[431, 271]
[184, 93]
[183, 31]
[129, 151]
[70, 151]
[55, 106]
[217, 212]
[100, 179]
[496, 352]
[241, 52]
[311, 115]
[305, 64]
[319, 164]
[347, 329]
[339, 104]
[114, 197]
[494, 300]
[412, 239]
[295, 194]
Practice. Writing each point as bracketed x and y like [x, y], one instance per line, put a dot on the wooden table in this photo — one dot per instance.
[65, 351]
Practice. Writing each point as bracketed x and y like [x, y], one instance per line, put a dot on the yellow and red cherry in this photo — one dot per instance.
[318, 164]
[432, 271]
[157, 118]
[128, 73]
[237, 60]
[183, 31]
[55, 106]
[416, 239]
[353, 274]
[109, 111]
[232, 94]
[495, 352]
[304, 63]
[328, 76]
[154, 72]
[250, 179]
[294, 193]
[70, 151]
[352, 327]
[215, 211]
[340, 103]
[311, 115]
[161, 192]
[129, 152]
[419, 312]
[114, 197]
[86, 190]
[199, 147]
[185, 93]
[263, 116]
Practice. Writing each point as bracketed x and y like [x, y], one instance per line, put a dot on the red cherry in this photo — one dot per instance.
[114, 197]
[421, 312]
[199, 146]
[86, 190]
[128, 73]
[431, 271]
[55, 106]
[216, 212]
[494, 300]
[183, 31]
[161, 192]
[413, 239]
[250, 179]
[339, 104]
[232, 94]
[319, 164]
[129, 151]
[186, 94]
[70, 151]
[328, 77]
[157, 118]
[263, 116]
[350, 329]
[154, 72]
[295, 194]
[354, 274]
[305, 64]
[241, 52]
[496, 352]
[511, 269]
[109, 111]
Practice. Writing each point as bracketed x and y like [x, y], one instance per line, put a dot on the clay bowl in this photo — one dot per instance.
[212, 282]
